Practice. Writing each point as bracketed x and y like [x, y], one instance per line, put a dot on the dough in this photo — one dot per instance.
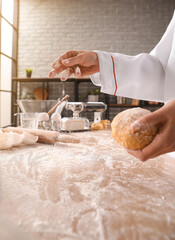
[103, 124]
[17, 138]
[28, 138]
[124, 135]
[97, 126]
[5, 141]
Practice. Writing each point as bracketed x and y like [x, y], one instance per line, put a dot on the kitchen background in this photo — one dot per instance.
[48, 28]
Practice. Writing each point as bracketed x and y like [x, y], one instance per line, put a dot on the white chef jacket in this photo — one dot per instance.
[144, 76]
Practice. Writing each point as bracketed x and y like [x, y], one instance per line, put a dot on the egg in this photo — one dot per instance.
[43, 116]
[56, 117]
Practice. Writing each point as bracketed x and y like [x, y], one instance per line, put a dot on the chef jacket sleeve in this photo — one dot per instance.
[141, 76]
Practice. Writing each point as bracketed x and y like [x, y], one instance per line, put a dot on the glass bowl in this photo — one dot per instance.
[32, 106]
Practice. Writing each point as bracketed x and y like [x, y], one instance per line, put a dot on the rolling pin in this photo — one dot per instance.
[45, 136]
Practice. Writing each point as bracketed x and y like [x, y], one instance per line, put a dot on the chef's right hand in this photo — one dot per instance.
[81, 63]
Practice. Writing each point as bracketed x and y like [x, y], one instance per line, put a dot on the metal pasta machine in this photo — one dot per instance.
[77, 123]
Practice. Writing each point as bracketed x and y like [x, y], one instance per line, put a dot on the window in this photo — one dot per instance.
[8, 56]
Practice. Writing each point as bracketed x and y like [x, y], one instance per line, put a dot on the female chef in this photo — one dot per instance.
[144, 76]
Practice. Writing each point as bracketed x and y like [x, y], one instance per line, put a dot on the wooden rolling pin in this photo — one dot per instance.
[45, 136]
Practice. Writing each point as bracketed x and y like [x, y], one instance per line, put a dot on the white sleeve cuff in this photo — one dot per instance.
[95, 78]
[104, 79]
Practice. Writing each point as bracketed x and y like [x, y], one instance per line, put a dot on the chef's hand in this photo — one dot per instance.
[164, 141]
[81, 63]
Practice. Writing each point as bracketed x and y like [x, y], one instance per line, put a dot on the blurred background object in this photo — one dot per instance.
[38, 93]
[28, 72]
[28, 106]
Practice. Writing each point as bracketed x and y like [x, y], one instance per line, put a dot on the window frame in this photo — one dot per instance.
[14, 50]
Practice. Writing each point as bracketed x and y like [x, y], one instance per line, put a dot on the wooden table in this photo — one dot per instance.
[93, 190]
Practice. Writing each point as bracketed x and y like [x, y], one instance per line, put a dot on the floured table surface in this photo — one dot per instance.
[93, 190]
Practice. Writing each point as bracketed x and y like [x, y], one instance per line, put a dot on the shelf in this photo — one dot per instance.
[130, 105]
[16, 88]
[122, 105]
[50, 80]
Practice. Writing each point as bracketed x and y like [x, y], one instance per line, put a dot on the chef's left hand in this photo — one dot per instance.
[164, 141]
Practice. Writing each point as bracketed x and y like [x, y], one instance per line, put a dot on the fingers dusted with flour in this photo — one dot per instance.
[82, 63]
[66, 74]
[53, 73]
[67, 55]
[146, 121]
[164, 141]
[73, 61]
[59, 67]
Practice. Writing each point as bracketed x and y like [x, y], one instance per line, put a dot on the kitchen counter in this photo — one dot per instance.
[93, 190]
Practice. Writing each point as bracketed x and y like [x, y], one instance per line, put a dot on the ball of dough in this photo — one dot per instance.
[97, 126]
[103, 124]
[124, 135]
